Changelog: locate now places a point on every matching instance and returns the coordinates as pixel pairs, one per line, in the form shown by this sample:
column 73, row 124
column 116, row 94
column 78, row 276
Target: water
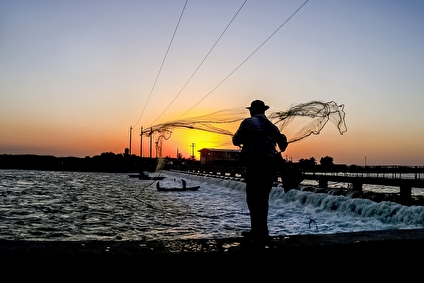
column 46, row 205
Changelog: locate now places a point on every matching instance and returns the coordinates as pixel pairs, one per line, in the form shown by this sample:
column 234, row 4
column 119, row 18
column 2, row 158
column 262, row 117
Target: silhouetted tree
column 326, row 161
column 307, row 163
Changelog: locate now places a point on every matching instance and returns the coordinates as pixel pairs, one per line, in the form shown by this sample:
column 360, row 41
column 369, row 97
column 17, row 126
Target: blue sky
column 75, row 75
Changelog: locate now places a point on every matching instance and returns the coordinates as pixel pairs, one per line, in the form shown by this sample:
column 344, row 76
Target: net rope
column 297, row 123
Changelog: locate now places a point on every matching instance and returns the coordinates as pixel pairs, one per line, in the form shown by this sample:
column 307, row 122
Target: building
column 212, row 156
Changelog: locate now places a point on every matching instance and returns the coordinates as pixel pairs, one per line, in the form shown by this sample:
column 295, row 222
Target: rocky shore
column 377, row 252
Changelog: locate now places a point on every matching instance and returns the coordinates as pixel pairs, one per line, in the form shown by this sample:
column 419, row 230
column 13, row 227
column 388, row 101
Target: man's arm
column 238, row 139
column 282, row 142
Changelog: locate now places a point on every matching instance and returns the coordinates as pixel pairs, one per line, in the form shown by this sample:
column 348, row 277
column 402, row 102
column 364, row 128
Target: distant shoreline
column 105, row 162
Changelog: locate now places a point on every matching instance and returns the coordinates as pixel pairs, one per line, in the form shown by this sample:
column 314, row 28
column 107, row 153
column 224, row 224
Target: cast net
column 302, row 120
column 297, row 123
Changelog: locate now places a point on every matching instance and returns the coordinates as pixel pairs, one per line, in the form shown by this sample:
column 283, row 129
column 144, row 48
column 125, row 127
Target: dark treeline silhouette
column 105, row 162
column 123, row 163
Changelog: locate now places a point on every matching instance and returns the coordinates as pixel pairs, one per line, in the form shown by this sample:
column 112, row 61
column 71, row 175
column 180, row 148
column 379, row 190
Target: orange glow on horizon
column 186, row 142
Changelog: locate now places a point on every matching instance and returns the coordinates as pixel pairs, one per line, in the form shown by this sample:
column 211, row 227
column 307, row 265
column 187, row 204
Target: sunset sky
column 76, row 75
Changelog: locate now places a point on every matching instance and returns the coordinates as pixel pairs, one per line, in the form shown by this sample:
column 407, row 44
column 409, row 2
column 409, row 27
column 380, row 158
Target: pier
column 403, row 177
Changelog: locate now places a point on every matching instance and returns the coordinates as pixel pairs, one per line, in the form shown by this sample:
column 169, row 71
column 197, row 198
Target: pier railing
column 404, row 177
column 385, row 172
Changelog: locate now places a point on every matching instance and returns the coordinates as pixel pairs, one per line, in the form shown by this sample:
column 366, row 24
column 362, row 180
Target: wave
column 387, row 212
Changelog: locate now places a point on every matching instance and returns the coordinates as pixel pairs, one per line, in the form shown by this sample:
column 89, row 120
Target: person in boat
column 258, row 137
column 183, row 188
column 143, row 175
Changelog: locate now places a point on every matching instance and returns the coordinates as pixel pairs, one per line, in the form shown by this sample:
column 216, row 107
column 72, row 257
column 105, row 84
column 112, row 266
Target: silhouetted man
column 258, row 137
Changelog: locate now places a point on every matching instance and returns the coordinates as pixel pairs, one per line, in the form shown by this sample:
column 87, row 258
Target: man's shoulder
column 258, row 117
column 249, row 120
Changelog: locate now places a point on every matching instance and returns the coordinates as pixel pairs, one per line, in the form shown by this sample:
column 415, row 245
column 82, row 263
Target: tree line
column 105, row 162
column 326, row 161
column 111, row 162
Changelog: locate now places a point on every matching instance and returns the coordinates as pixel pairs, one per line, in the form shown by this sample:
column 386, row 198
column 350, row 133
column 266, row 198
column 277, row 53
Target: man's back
column 258, row 137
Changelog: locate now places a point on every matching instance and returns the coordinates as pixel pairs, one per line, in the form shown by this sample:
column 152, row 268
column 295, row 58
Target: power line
column 201, row 63
column 248, row 57
column 163, row 61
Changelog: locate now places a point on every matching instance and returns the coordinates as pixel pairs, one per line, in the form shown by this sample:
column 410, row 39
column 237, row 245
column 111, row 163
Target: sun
column 188, row 142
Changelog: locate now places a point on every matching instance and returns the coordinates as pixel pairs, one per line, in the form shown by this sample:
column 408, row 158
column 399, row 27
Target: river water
column 51, row 205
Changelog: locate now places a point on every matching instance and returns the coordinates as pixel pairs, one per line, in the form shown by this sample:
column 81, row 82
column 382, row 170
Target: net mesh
column 297, row 123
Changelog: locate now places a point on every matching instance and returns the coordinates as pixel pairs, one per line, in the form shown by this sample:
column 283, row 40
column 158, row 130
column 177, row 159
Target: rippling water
column 46, row 205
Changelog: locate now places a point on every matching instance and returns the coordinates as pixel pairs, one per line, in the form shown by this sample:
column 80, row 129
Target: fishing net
column 302, row 120
column 221, row 122
column 297, row 123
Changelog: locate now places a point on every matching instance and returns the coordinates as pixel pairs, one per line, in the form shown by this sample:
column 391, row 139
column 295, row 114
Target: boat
column 177, row 189
column 142, row 176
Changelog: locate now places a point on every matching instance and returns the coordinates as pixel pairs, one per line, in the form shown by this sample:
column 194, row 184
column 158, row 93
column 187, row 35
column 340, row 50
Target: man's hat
column 258, row 105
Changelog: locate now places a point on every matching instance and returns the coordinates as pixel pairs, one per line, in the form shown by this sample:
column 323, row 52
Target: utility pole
column 151, row 137
column 193, row 145
column 130, row 138
column 141, row 142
